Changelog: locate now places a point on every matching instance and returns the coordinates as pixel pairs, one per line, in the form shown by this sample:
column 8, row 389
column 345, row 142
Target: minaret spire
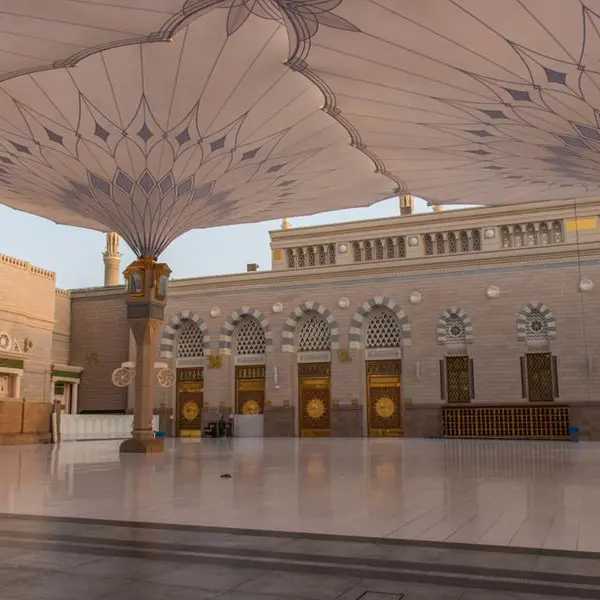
column 112, row 260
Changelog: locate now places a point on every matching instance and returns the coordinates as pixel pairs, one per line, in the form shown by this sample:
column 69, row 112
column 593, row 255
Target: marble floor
column 518, row 494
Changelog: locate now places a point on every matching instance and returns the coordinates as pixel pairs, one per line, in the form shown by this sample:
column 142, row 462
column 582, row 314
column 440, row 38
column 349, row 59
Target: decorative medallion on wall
column 122, row 377
column 5, row 341
column 215, row 362
column 315, row 409
column 413, row 241
column 415, row 297
column 190, row 411
column 586, row 285
column 490, row 234
column 215, row 311
column 251, row 407
column 384, row 407
column 492, row 291
column 277, row 307
column 344, row 302
column 165, row 377
column 342, row 248
column 344, row 356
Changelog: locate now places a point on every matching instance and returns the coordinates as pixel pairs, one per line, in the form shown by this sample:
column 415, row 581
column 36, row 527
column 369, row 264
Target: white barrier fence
column 97, row 427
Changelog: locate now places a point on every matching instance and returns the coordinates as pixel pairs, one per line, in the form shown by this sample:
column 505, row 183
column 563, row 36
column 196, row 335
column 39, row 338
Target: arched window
column 368, row 250
column 517, row 236
column 557, row 233
column 456, row 331
column 301, row 257
column 331, row 254
column 191, row 341
column 321, row 255
column 378, row 250
column 452, row 245
column 389, row 248
column 531, row 235
column 290, row 258
column 505, row 235
column 249, row 337
column 356, row 251
column 536, row 329
column 544, row 234
column 312, row 259
column 440, row 246
column 464, row 241
column 383, row 331
column 401, row 248
column 428, row 242
column 476, row 237
column 314, row 334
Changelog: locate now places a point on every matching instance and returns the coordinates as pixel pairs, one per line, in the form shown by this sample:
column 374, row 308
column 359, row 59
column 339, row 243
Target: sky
column 75, row 254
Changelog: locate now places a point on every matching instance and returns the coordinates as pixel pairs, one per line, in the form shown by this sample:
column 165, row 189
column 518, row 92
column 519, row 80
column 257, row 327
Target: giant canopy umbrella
column 154, row 117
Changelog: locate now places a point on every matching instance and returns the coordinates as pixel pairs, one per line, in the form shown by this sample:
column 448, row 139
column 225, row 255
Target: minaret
column 407, row 205
column 285, row 224
column 112, row 260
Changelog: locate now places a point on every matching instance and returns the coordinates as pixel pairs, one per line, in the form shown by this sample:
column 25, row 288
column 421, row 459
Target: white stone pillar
column 17, row 386
column 74, row 397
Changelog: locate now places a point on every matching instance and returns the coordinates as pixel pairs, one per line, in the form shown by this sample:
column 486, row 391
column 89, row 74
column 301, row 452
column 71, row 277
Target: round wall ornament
column 586, row 285
column 415, row 297
column 344, row 302
column 277, row 307
column 122, row 377
column 342, row 248
column 215, row 311
column 490, row 234
column 5, row 341
column 165, row 377
column 492, row 291
column 413, row 241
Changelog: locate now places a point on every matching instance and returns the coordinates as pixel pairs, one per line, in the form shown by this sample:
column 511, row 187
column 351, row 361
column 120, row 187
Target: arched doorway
column 250, row 373
column 313, row 341
column 190, row 380
column 383, row 365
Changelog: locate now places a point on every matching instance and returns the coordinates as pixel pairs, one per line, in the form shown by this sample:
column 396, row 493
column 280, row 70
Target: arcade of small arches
column 379, row 329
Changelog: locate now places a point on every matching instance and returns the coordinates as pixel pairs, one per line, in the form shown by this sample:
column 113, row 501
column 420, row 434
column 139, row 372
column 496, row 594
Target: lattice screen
column 314, row 335
column 383, row 331
column 191, row 341
column 456, row 334
column 250, row 337
column 536, row 328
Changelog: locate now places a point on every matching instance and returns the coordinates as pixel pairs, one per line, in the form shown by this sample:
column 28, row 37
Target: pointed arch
column 363, row 311
column 461, row 318
column 546, row 316
column 289, row 328
column 233, row 319
column 167, row 339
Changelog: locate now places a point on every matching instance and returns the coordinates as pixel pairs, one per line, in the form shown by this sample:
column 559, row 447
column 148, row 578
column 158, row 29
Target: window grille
column 368, row 251
column 458, row 378
column 428, row 241
column 452, row 245
column 517, row 236
column 301, row 257
column 464, row 241
column 440, row 246
column 314, row 335
column 322, row 256
column 505, row 234
column 191, row 341
column 540, row 377
column 331, row 254
column 356, row 251
column 378, row 250
column 383, row 331
column 290, row 258
column 389, row 245
column 544, row 234
column 456, row 333
column 401, row 247
column 536, row 328
column 249, row 337
column 531, row 235
column 312, row 260
column 557, row 234
column 476, row 237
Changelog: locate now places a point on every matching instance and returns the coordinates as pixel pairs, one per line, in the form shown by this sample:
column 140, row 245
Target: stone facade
column 35, row 341
column 511, row 261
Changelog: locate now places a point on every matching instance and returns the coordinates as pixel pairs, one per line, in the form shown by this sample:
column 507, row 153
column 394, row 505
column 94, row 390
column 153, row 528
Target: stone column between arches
column 347, row 408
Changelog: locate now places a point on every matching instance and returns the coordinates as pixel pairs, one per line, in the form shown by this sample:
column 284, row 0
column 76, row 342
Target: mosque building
column 473, row 323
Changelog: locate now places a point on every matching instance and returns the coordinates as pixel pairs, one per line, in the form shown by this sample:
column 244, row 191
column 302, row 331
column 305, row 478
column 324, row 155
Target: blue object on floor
column 160, row 434
column 574, row 433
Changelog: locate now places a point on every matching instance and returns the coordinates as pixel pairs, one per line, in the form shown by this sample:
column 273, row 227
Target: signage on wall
column 10, row 344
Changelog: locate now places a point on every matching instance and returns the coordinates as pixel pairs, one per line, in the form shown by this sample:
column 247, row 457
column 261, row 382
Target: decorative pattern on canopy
column 263, row 108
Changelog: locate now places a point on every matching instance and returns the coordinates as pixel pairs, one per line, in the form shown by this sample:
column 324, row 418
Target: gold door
column 314, row 399
column 385, row 408
column 250, row 390
column 190, row 399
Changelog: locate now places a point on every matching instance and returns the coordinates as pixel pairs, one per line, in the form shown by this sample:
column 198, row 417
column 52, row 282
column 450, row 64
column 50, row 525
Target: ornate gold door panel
column 190, row 398
column 250, row 390
column 384, row 398
column 315, row 399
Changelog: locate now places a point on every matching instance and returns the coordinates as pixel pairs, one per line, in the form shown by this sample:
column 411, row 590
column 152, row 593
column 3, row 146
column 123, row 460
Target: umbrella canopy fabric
column 154, row 117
